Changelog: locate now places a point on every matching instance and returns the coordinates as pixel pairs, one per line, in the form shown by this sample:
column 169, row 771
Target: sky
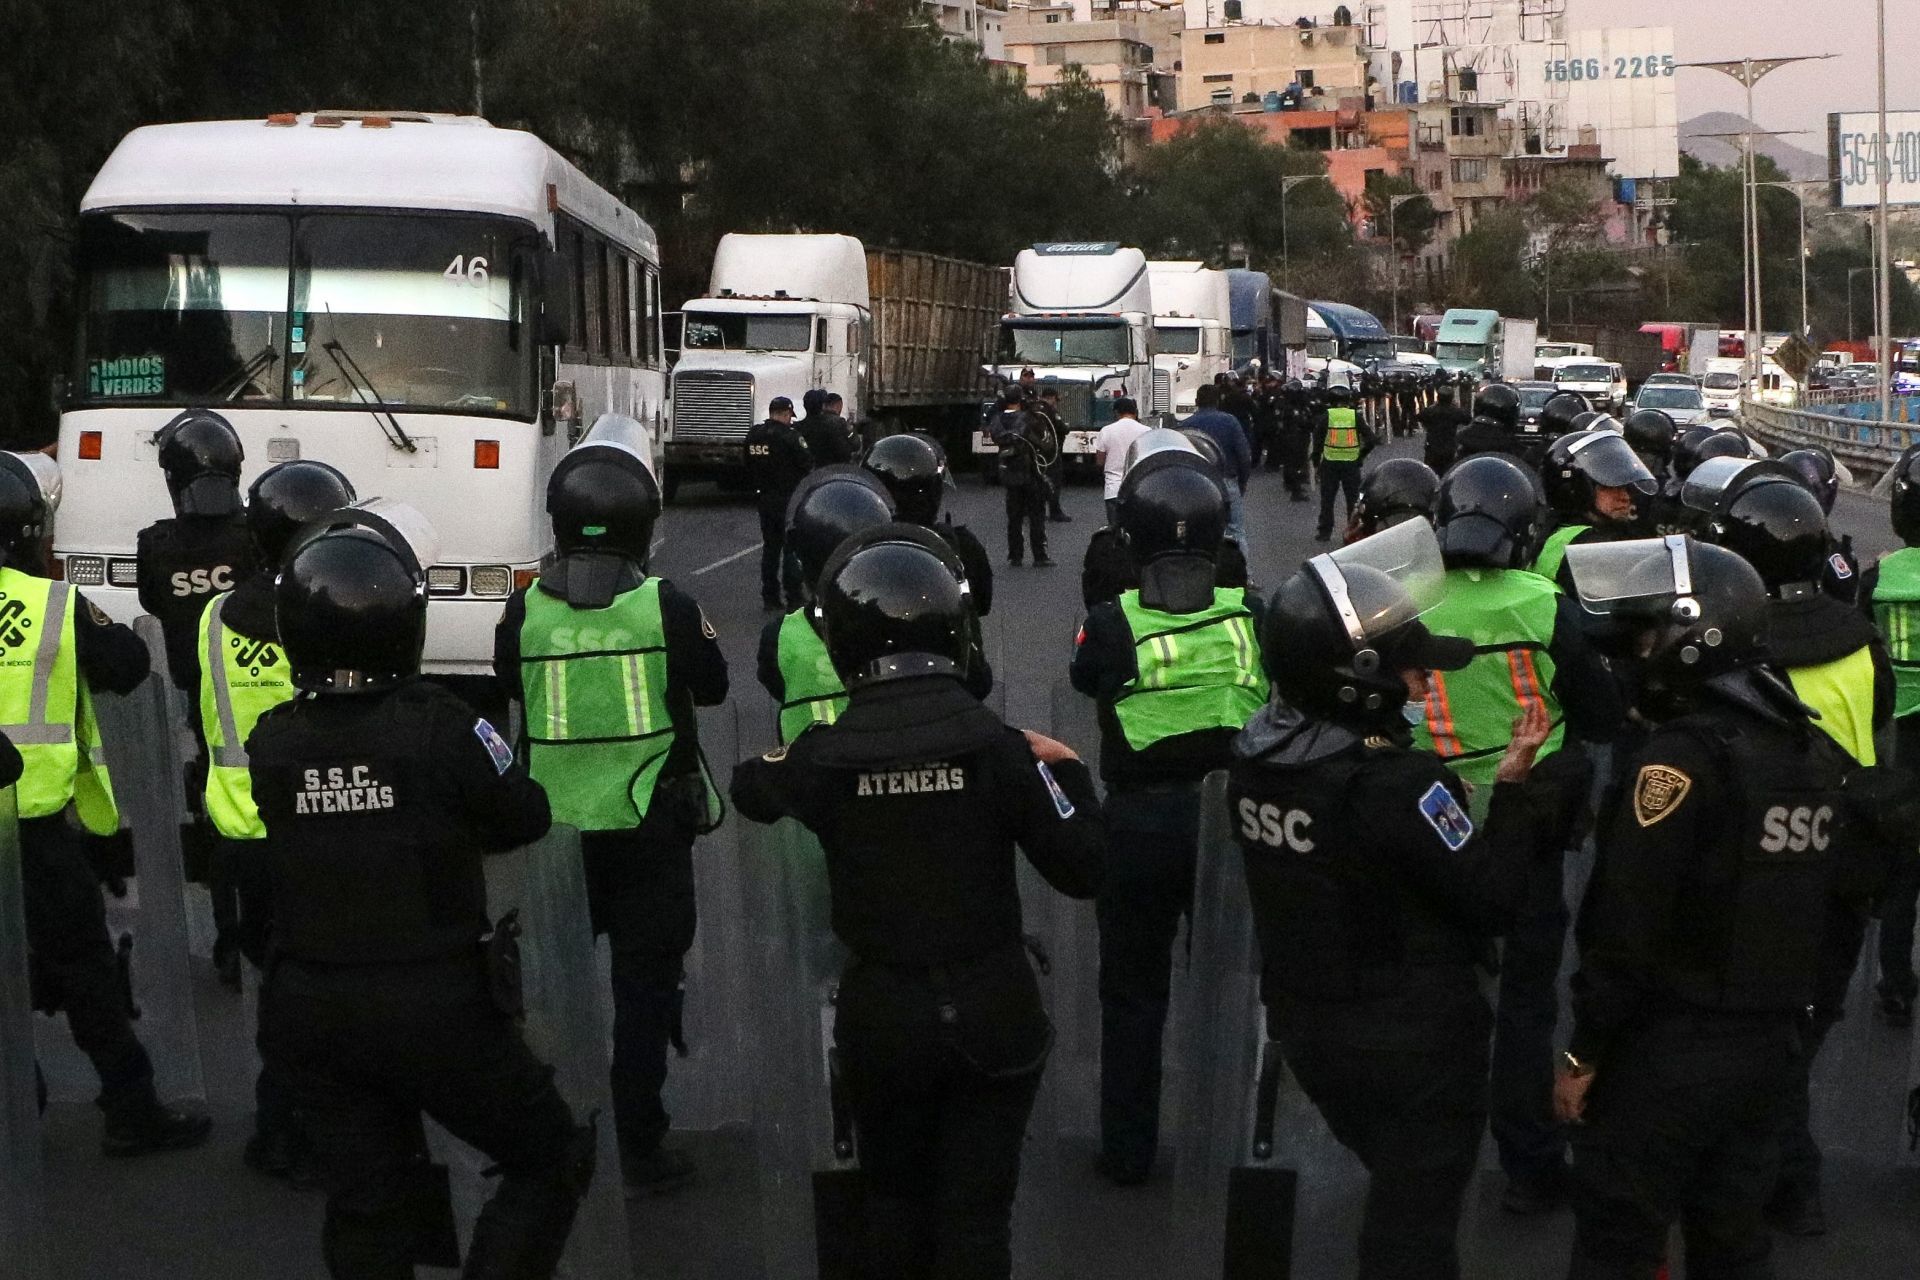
column 1796, row 97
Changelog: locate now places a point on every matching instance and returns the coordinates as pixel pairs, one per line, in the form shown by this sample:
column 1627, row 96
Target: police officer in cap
column 1022, row 435
column 381, row 793
column 1398, row 489
column 1891, row 590
column 63, row 650
column 240, row 672
column 1374, row 893
column 1339, row 447
column 1495, row 425
column 777, row 460
column 1702, row 929
column 920, row 796
column 914, row 469
column 610, row 662
column 1167, row 716
column 1597, row 487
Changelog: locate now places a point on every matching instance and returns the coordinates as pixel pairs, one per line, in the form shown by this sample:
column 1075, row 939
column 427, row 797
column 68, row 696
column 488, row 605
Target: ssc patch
column 1061, row 805
column 1658, row 792
column 497, row 747
column 1841, row 569
column 1444, row 814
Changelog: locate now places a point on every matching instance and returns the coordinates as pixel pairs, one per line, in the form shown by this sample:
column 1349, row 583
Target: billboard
column 1619, row 82
column 1853, row 157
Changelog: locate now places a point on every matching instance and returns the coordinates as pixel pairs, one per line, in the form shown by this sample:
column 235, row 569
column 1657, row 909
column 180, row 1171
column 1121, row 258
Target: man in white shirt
column 1111, row 445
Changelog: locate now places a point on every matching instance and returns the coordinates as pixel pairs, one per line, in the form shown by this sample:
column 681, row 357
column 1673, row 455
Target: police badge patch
column 1444, row 814
column 1659, row 791
column 497, row 748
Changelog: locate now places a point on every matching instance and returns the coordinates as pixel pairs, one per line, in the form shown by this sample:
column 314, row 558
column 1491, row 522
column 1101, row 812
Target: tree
column 1487, row 267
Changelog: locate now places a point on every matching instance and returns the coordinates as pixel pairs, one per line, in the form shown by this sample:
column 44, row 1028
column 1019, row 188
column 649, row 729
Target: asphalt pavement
column 203, row 1216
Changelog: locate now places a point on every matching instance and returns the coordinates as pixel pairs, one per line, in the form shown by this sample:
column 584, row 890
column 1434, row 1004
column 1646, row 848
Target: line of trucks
column 915, row 341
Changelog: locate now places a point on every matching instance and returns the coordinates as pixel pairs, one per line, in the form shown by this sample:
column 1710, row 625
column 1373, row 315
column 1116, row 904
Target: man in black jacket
column 777, row 460
column 1021, row 437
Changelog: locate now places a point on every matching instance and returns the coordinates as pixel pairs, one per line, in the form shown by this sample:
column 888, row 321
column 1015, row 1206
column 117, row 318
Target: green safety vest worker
column 594, row 683
column 1468, row 717
column 812, row 691
column 1196, row 670
column 1842, row 692
column 1553, row 552
column 46, row 710
column 1896, row 608
column 241, row 679
column 1342, row 442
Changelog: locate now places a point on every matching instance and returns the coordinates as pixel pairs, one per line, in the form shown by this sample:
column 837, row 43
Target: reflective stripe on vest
column 1553, row 552
column 812, row 689
column 241, row 679
column 594, row 682
column 1842, row 692
column 1197, row 671
column 39, row 688
column 1896, row 608
column 1468, row 716
column 1342, row 443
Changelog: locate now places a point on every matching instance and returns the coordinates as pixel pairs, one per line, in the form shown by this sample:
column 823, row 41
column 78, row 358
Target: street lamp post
column 1880, row 225
column 1800, row 191
column 1286, row 251
column 1393, row 248
column 1752, row 281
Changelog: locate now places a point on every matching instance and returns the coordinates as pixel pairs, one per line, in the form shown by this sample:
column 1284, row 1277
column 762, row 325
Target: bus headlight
column 492, row 581
column 123, row 572
column 446, row 580
column 87, row 571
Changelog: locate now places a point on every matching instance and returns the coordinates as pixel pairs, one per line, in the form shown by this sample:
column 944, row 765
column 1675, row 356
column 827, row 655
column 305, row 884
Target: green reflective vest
column 814, row 693
column 241, row 679
column 1196, row 670
column 595, row 688
column 1342, row 443
column 1842, row 692
column 1896, row 608
column 45, row 709
column 1553, row 552
column 1468, row 717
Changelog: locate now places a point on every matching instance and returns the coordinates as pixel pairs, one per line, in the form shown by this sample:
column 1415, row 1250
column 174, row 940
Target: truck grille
column 1162, row 392
column 712, row 406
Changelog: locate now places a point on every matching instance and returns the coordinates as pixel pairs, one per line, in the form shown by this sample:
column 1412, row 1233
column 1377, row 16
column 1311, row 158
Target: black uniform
column 1110, row 567
column 184, row 563
column 829, row 437
column 1484, row 435
column 1019, row 435
column 1375, row 900
column 378, row 808
column 919, row 795
column 1056, row 467
column 1441, row 423
column 640, row 890
column 1700, row 940
column 973, row 558
column 777, row 460
column 978, row 680
column 1296, row 440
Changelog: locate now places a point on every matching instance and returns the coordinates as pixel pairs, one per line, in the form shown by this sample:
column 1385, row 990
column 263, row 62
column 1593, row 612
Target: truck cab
column 1192, row 328
column 1469, row 342
column 1255, row 333
column 1548, row 356
column 1338, row 332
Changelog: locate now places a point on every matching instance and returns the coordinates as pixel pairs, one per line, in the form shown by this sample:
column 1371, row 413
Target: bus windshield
column 1361, row 350
column 414, row 311
column 1049, row 342
column 1173, row 340
column 744, row 331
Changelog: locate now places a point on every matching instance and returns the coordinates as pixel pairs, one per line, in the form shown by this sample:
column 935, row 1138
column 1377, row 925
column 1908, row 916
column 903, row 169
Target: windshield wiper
column 376, row 403
column 234, row 383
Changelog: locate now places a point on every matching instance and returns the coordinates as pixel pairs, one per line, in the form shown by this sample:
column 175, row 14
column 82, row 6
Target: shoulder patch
column 99, row 615
column 1658, row 792
column 1061, row 805
column 497, row 747
column 1841, row 569
column 775, row 756
column 1378, row 742
column 706, row 628
column 1444, row 814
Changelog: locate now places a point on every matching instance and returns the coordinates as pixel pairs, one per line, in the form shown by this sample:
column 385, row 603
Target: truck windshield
column 265, row 308
column 1555, row 351
column 1322, row 348
column 739, row 331
column 1723, row 381
column 1176, row 340
column 1361, row 350
column 1045, row 343
column 1460, row 350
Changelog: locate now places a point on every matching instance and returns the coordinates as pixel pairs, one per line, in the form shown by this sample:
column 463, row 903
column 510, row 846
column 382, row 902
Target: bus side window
column 630, row 309
column 576, row 239
column 651, row 320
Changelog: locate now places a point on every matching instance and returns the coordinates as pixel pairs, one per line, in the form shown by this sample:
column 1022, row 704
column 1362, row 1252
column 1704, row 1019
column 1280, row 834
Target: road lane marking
column 741, row 554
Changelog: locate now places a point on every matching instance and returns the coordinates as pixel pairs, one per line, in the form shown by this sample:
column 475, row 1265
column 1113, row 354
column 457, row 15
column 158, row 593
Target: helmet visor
column 402, row 526
column 46, row 474
column 616, row 430
column 1408, row 578
column 1158, row 440
column 1638, row 577
column 1610, row 462
column 1714, row 482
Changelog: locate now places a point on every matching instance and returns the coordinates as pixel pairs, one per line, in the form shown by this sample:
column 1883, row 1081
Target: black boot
column 523, row 1230
column 144, row 1127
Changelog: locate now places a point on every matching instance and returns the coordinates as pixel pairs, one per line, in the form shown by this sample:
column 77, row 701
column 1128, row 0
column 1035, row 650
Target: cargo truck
column 1256, row 329
column 1485, row 344
column 1192, row 327
column 901, row 336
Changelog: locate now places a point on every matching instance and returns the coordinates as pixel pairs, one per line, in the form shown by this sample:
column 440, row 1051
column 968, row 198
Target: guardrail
column 1868, row 447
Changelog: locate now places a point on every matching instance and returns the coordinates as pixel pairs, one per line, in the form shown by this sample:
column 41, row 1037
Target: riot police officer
column 1374, row 893
column 1820, row 472
column 1167, row 715
column 1495, row 425
column 1597, row 487
column 777, row 460
column 1891, row 589
column 1110, row 565
column 1651, row 433
column 1344, row 440
column 1558, row 413
column 380, row 793
column 1395, row 490
column 610, row 662
column 1296, row 435
column 239, row 674
column 1440, row 424
column 920, row 795
column 1701, row 933
column 914, row 469
column 1025, row 442
column 57, row 650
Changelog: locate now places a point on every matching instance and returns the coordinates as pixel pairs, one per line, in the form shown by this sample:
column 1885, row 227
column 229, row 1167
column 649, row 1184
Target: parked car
column 1533, row 398
column 1685, row 403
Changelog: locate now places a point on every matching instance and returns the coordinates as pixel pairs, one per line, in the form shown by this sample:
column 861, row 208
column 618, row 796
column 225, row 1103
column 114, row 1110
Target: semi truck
column 1081, row 318
column 1485, row 344
column 1256, row 336
column 1192, row 327
column 901, row 336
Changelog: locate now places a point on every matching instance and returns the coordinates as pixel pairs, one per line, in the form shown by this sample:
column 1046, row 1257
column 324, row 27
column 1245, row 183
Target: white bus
column 433, row 305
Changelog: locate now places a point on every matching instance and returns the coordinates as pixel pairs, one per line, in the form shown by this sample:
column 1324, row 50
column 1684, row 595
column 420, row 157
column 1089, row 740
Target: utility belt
column 986, row 1006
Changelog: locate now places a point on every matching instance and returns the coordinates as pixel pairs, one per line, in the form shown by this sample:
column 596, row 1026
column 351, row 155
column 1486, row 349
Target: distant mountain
column 1799, row 163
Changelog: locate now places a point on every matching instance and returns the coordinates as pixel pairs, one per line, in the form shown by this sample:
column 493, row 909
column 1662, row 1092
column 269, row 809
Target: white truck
column 1519, row 340
column 1082, row 320
column 1192, row 327
column 898, row 335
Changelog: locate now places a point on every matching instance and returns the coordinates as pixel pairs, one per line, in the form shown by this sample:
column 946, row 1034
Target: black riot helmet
column 1173, row 503
column 1650, row 432
column 288, row 495
column 23, row 516
column 914, row 469
column 351, row 599
column 200, row 454
column 1905, row 496
column 1295, row 391
column 1487, row 513
column 1498, row 402
column 1587, row 421
column 830, row 506
column 1697, row 444
column 1819, row 471
column 1341, row 394
column 1763, row 512
column 1208, row 447
column 1558, row 413
column 1339, row 633
column 894, row 602
column 603, row 497
column 1578, row 466
column 1395, row 490
column 1702, row 608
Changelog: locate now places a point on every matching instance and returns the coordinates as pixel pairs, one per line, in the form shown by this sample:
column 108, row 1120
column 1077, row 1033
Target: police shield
column 20, row 1178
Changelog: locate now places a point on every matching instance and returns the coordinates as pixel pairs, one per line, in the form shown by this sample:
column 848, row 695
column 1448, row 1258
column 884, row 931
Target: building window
column 1214, row 37
column 1225, row 79
column 1469, row 170
column 1053, row 17
column 1435, row 180
column 1465, row 123
column 1221, row 97
column 1057, row 55
column 1305, row 77
column 1313, row 139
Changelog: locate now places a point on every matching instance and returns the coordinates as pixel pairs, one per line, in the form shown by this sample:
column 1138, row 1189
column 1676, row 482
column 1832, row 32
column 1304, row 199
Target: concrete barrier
column 1868, row 447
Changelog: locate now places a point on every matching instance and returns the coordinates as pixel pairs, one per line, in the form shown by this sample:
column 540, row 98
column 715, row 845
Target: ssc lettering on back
column 198, row 582
column 1268, row 824
column 346, row 789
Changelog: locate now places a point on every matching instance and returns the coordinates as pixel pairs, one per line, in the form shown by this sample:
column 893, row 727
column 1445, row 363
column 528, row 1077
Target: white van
column 1721, row 386
column 1602, row 382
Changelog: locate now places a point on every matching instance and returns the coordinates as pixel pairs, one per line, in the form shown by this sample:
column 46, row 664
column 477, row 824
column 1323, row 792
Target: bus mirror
column 563, row 406
column 556, row 302
column 673, row 325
